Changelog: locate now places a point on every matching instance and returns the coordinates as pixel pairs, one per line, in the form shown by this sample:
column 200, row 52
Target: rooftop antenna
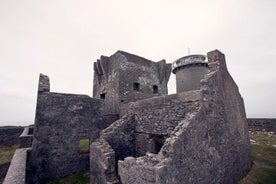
column 188, row 50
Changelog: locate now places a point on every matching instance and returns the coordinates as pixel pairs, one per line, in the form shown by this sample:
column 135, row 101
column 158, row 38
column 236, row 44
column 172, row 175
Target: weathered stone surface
column 115, row 77
column 10, row 134
column 62, row 120
column 26, row 138
column 116, row 143
column 206, row 139
column 44, row 83
column 102, row 163
column 17, row 170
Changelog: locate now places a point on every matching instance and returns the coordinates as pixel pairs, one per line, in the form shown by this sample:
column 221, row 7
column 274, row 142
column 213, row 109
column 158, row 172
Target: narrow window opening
column 136, row 86
column 102, row 96
column 155, row 89
column 84, row 146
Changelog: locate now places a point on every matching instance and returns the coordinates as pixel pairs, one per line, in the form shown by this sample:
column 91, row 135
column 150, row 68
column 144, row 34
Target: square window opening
column 136, row 86
column 155, row 89
column 102, row 96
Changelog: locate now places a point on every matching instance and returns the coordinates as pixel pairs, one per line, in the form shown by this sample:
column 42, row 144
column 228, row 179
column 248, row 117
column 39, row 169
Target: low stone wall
column 17, row 170
column 26, row 138
column 10, row 134
column 261, row 124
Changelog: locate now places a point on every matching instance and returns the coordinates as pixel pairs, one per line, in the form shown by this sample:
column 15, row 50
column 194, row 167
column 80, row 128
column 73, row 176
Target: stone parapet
column 17, row 170
column 26, row 138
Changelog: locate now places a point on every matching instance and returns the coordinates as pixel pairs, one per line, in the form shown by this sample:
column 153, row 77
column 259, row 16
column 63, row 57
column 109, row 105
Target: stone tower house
column 124, row 77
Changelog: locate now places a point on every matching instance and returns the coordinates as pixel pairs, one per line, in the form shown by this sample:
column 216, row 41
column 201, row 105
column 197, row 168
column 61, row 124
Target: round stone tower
column 189, row 70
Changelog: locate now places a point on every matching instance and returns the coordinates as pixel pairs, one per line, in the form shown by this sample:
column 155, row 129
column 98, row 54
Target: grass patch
column 78, row 178
column 263, row 151
column 84, row 145
column 6, row 152
column 260, row 175
column 264, row 154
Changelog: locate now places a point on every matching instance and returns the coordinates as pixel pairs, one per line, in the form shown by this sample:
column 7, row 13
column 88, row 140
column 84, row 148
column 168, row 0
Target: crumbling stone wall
column 115, row 78
column 116, row 143
column 62, row 120
column 143, row 129
column 208, row 144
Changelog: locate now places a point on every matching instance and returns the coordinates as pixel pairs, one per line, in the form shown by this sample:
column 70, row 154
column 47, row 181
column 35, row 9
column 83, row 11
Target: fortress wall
column 262, row 124
column 61, row 122
column 10, row 134
column 210, row 145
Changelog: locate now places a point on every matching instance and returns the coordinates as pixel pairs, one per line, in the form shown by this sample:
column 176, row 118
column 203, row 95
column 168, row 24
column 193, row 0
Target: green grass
column 84, row 145
column 78, row 178
column 6, row 152
column 263, row 170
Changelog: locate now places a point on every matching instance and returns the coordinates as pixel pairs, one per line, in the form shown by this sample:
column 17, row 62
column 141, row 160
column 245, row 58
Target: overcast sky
column 62, row 39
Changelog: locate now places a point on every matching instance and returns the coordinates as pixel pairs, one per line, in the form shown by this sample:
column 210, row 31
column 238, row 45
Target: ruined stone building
column 138, row 133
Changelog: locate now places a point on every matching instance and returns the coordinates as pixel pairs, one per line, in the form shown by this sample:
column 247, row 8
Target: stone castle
column 138, row 134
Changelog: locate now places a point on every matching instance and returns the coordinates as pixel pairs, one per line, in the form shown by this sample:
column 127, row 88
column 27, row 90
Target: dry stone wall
column 10, row 134
column 62, row 120
column 262, row 124
column 117, row 142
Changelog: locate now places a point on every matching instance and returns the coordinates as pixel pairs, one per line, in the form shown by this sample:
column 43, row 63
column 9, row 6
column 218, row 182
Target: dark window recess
column 154, row 89
column 102, row 96
column 136, row 86
column 158, row 142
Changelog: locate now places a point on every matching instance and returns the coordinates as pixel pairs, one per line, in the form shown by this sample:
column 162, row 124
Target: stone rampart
column 62, row 122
